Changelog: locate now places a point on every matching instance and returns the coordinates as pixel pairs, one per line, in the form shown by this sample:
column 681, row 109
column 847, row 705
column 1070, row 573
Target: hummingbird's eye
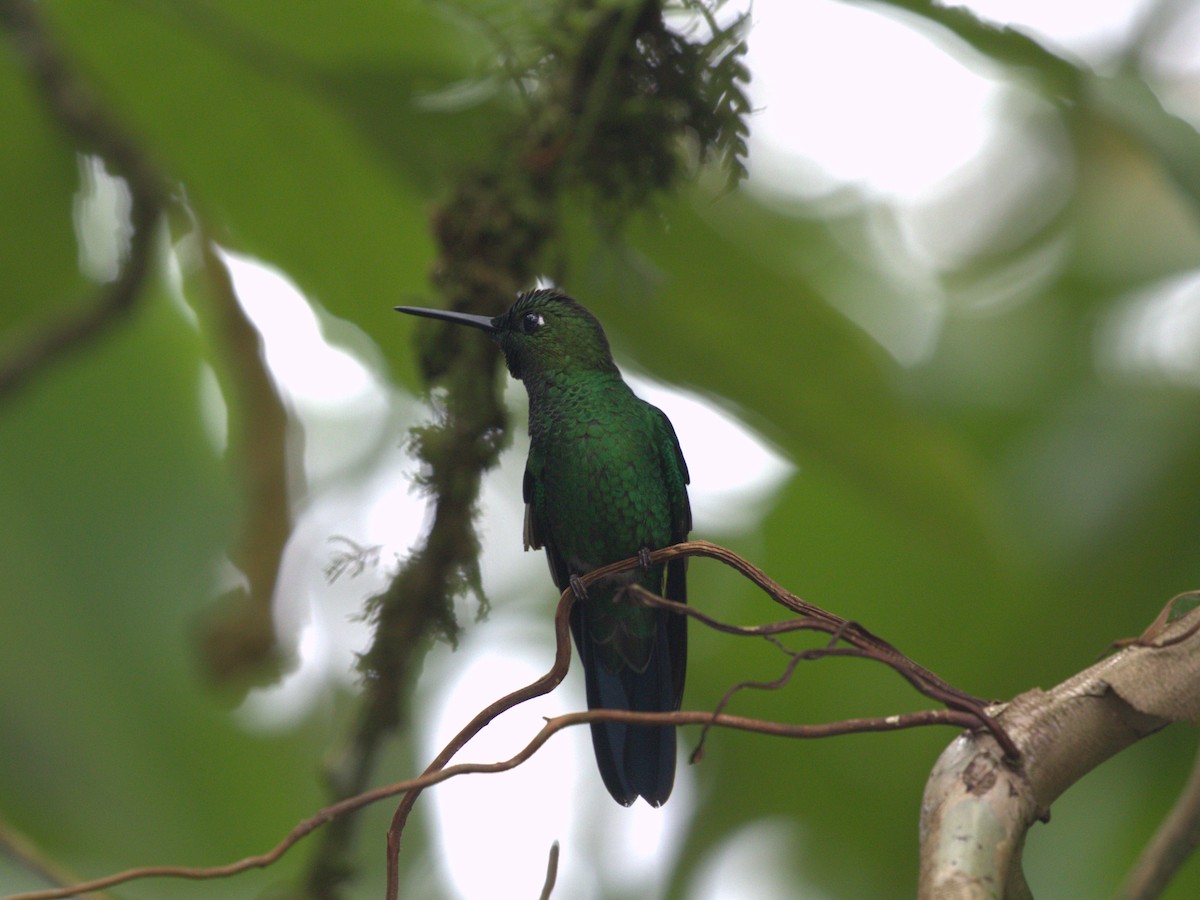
column 531, row 322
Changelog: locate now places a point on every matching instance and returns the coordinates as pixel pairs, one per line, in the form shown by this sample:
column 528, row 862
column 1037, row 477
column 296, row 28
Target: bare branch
column 852, row 631
column 975, row 780
column 819, row 619
column 965, row 710
column 543, row 685
column 950, row 717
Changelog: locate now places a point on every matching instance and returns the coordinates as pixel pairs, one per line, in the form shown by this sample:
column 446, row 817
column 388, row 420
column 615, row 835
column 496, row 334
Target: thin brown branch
column 1175, row 608
column 71, row 101
column 954, row 718
column 970, row 711
column 818, row 619
column 439, row 770
column 543, row 685
column 852, row 631
column 793, row 661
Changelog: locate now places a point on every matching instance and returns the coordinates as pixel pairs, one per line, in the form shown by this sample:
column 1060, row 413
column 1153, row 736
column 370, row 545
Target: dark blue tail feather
column 635, row 760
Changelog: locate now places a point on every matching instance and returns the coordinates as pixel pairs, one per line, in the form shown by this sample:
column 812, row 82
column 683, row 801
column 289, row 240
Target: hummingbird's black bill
column 484, row 322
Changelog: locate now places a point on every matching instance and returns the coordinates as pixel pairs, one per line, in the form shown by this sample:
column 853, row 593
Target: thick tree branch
column 978, row 807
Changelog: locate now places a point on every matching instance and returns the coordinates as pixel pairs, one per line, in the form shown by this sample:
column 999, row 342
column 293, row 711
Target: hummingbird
column 605, row 481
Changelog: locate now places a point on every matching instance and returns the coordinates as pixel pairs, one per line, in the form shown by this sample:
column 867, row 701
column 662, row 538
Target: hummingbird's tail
column 636, row 760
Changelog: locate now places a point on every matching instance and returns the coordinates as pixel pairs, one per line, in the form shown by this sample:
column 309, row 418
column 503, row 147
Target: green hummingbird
column 605, row 480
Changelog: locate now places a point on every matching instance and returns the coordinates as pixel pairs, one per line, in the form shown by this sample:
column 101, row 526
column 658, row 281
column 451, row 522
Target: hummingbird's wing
column 537, row 532
column 675, row 474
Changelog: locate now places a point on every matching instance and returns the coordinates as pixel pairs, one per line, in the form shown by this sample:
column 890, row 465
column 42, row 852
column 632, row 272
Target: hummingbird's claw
column 578, row 589
column 644, row 558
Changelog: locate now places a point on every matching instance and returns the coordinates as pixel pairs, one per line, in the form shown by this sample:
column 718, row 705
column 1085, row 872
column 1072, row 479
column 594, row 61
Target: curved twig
column 553, row 725
column 543, row 685
column 817, row 619
column 960, row 714
column 970, row 711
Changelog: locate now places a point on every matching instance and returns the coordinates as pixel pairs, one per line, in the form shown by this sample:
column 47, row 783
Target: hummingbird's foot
column 644, row 558
column 578, row 589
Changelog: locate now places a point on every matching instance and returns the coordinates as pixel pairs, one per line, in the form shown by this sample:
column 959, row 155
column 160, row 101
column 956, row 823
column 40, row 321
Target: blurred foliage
column 1001, row 503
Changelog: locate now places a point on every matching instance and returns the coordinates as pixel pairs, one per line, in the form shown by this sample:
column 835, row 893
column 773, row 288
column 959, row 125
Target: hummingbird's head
column 545, row 331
